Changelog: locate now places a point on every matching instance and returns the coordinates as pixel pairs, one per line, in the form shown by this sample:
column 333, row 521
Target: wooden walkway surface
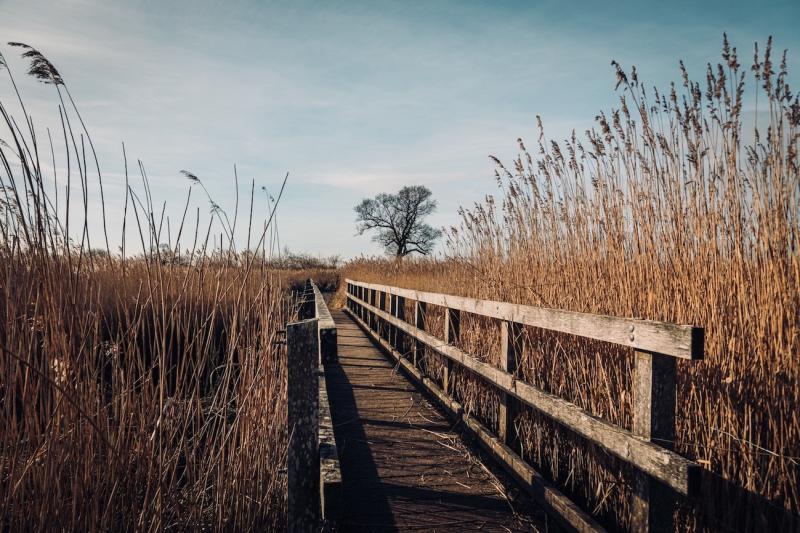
column 404, row 467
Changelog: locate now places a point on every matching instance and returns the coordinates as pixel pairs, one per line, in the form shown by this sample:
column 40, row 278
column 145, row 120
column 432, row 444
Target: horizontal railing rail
column 327, row 328
column 657, row 345
column 685, row 342
column 313, row 467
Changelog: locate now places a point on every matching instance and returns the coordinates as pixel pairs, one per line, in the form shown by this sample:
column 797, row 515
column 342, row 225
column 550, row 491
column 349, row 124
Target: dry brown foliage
column 141, row 393
column 672, row 209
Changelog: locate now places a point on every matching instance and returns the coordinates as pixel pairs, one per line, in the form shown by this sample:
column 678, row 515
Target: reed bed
column 675, row 207
column 138, row 393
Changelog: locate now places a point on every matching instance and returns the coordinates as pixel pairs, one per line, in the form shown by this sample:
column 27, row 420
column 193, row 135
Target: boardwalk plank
column 403, row 466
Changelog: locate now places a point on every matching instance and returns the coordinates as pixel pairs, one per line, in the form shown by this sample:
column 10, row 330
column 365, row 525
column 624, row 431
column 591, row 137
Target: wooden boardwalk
column 404, row 466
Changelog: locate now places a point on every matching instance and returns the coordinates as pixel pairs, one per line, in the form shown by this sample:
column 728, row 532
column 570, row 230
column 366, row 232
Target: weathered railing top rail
column 656, row 345
column 322, row 312
column 314, row 472
column 685, row 342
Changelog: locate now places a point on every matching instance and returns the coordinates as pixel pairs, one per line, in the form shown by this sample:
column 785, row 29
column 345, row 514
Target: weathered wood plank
column 327, row 328
column 510, row 352
column 303, row 404
column 542, row 490
column 374, row 302
column 383, row 326
column 305, row 309
column 322, row 311
column 653, row 419
column 392, row 329
column 400, row 341
column 452, row 331
column 330, row 474
column 419, row 323
column 672, row 469
column 681, row 341
column 330, row 478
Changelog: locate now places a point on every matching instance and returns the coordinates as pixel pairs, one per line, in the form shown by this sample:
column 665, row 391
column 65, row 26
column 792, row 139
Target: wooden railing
column 314, row 477
column 659, row 471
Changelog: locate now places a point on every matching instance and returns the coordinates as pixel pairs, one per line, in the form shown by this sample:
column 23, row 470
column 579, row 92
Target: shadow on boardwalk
column 403, row 465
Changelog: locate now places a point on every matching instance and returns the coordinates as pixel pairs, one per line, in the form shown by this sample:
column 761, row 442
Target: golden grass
column 670, row 210
column 136, row 393
column 146, row 397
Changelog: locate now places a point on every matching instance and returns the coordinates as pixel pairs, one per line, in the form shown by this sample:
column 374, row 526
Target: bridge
column 377, row 444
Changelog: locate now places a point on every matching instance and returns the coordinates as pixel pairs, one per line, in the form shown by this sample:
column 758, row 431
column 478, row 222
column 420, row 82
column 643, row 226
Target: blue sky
column 353, row 98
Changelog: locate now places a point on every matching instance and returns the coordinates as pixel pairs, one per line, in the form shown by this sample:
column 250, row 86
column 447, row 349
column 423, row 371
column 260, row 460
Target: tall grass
column 136, row 393
column 674, row 208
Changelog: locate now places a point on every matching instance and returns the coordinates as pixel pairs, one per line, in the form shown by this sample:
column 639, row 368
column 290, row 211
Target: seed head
column 41, row 68
column 191, row 177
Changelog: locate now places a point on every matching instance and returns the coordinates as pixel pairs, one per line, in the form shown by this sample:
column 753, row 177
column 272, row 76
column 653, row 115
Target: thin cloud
column 353, row 98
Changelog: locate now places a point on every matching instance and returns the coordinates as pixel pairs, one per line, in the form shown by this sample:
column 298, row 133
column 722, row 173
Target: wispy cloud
column 353, row 98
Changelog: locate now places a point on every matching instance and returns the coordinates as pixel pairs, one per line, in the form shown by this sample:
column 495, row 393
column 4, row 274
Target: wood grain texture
column 672, row 469
column 327, row 327
column 330, row 474
column 303, row 404
column 652, row 504
column 452, row 332
column 682, row 341
column 419, row 323
column 572, row 516
column 404, row 467
column 510, row 351
column 322, row 311
column 401, row 340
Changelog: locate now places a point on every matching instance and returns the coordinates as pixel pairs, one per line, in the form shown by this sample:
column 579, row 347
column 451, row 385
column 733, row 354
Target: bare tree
column 398, row 218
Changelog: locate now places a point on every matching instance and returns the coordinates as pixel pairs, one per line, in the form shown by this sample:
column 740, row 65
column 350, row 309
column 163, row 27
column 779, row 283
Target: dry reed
column 136, row 393
column 671, row 209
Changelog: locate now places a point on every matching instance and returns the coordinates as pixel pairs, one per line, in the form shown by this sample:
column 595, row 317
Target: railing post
column 303, row 411
column 328, row 350
column 307, row 306
column 653, row 419
column 392, row 329
column 452, row 330
column 371, row 300
column 367, row 313
column 348, row 290
column 419, row 323
column 374, row 301
column 306, row 309
column 510, row 352
column 381, row 323
column 400, row 337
